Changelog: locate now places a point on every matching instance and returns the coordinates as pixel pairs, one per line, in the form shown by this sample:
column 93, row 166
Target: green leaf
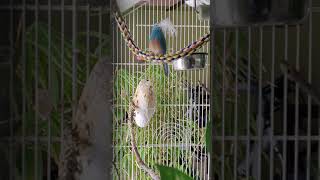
column 209, row 137
column 169, row 173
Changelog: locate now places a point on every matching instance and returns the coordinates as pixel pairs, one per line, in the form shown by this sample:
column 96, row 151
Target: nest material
column 144, row 101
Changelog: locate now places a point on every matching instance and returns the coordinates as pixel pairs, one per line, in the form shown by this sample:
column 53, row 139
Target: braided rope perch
column 150, row 56
column 141, row 164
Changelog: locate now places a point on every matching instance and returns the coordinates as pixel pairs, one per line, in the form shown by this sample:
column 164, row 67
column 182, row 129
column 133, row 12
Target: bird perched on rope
column 157, row 39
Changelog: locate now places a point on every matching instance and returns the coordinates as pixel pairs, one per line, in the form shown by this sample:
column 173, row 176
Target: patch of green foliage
column 167, row 128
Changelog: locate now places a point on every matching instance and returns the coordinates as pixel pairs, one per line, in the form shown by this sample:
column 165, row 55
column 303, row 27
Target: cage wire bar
column 246, row 144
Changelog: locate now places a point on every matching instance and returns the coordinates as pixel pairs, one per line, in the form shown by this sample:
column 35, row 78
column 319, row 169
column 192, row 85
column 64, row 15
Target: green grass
column 165, row 128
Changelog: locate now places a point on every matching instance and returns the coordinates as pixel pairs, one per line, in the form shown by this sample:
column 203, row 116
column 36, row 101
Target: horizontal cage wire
column 258, row 89
column 174, row 137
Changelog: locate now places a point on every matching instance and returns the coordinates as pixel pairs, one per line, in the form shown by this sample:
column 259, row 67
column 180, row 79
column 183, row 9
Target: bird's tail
column 167, row 27
column 166, row 69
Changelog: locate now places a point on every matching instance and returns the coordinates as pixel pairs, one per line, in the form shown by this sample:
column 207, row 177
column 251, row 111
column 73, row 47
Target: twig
column 204, row 87
column 115, row 167
column 141, row 164
column 294, row 75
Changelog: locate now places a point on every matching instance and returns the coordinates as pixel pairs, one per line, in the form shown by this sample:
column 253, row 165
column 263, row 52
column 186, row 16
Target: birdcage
column 175, row 137
column 238, row 102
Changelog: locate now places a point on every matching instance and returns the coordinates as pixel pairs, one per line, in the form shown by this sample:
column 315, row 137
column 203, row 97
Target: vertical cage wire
column 62, row 76
column 36, row 83
column 297, row 90
column 285, row 106
column 248, row 104
column 260, row 119
column 49, row 88
column 308, row 160
column 271, row 171
column 23, row 57
column 12, row 116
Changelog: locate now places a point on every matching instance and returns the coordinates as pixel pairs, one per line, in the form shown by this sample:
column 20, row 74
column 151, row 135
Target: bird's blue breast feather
column 157, row 34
